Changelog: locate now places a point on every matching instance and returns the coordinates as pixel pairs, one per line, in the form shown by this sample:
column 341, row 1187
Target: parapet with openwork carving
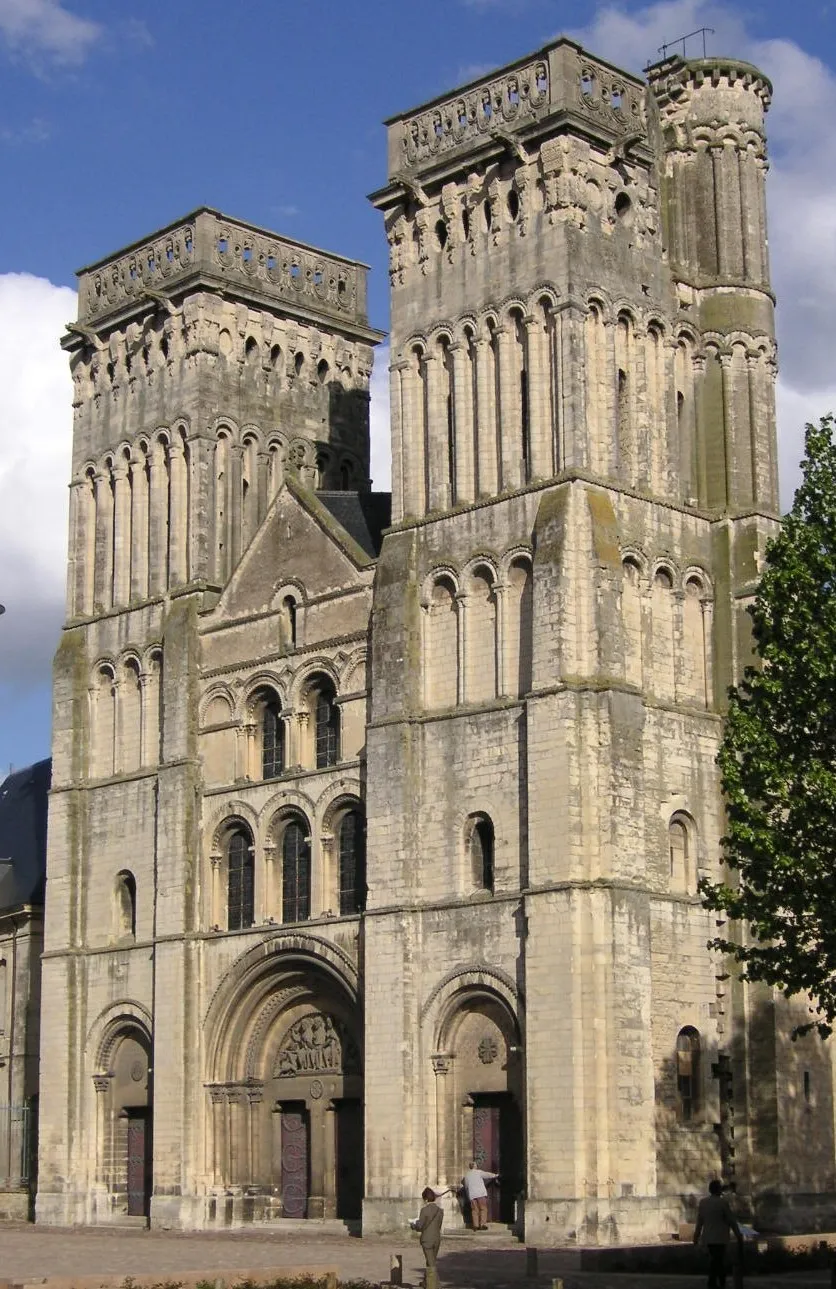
column 559, row 78
column 210, row 247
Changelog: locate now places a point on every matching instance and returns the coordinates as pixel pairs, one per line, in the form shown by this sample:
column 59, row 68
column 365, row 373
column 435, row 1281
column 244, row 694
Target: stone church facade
column 374, row 837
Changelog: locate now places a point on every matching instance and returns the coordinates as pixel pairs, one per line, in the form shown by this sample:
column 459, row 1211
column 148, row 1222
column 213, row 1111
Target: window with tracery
column 240, row 880
column 352, row 854
column 296, row 873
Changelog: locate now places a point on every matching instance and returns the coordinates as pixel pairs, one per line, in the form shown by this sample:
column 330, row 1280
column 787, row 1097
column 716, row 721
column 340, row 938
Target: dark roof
column 363, row 515
column 23, row 806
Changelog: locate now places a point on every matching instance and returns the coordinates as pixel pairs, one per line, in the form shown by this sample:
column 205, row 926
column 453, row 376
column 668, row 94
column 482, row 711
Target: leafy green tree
column 778, row 758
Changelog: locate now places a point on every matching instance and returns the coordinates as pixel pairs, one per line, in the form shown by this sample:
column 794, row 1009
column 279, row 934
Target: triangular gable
column 299, row 540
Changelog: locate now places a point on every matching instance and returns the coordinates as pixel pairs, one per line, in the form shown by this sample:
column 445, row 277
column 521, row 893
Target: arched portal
column 125, row 1124
column 479, row 1094
column 286, row 1096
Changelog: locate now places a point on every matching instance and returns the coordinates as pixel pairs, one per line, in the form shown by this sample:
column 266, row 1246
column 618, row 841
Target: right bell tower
column 713, row 158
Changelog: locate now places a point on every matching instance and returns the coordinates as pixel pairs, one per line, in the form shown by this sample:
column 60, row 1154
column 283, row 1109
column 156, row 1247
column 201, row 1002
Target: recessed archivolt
column 468, row 982
column 218, row 691
column 226, row 817
column 664, row 570
column 353, row 672
column 104, row 664
column 254, row 978
column 254, row 690
column 694, row 574
column 479, row 568
column 516, row 555
column 225, row 425
column 443, row 575
column 293, row 587
column 282, row 806
column 314, row 667
column 153, row 654
column 252, row 434
column 348, row 792
column 121, row 1018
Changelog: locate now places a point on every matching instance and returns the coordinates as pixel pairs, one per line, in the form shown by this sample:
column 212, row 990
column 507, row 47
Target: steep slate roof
column 23, row 805
column 363, row 515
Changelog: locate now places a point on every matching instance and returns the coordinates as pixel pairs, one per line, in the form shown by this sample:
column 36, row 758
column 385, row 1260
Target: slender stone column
column 400, row 457
column 437, row 445
column 461, row 647
column 255, row 1097
column 414, row 439
column 570, row 402
column 487, row 481
column 236, row 517
column 74, row 550
column 246, row 751
column 441, row 1163
column 539, row 399
column 89, row 593
column 330, row 878
column 217, row 1097
column 81, row 591
column 215, row 896
column 707, row 636
column 728, row 429
column 139, row 528
column 102, row 1083
column 103, row 594
column 121, row 533
column 158, row 521
column 502, row 677
column 330, row 1173
column 268, row 912
column 700, row 426
column 510, row 419
column 178, row 537
column 753, row 366
column 463, row 422
column 316, row 1198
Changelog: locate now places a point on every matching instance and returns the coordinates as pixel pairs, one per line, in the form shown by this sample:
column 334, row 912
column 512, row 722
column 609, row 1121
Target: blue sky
column 118, row 118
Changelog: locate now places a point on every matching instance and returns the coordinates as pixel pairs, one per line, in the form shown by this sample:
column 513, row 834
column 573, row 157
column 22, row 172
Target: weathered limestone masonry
column 584, row 479
column 221, row 373
column 371, row 855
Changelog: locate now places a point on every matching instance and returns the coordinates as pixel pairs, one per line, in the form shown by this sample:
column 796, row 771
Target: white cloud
column 35, row 442
column 381, row 466
column 46, row 28
column 801, row 191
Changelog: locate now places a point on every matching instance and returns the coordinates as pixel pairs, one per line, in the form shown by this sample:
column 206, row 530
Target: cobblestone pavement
column 28, row 1252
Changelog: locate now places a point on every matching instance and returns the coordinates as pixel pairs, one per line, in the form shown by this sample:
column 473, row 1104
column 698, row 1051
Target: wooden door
column 349, row 1159
column 486, row 1140
column 497, row 1147
column 295, row 1161
column 139, row 1164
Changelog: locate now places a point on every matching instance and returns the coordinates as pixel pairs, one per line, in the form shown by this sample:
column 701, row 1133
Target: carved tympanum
column 317, row 1044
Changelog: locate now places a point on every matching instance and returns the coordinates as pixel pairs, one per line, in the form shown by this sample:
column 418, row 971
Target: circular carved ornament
column 138, row 1071
column 316, row 1089
column 488, row 1050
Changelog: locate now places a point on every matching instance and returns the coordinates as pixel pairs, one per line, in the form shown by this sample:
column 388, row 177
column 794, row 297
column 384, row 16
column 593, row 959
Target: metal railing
column 15, row 1146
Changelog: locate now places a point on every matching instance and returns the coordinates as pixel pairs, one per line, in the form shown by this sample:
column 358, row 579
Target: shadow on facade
column 757, row 1112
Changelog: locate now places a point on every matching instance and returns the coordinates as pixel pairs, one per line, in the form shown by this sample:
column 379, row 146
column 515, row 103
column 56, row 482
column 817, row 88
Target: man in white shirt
column 477, row 1194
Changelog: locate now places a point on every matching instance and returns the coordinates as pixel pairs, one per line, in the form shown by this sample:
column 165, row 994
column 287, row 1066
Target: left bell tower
column 208, row 361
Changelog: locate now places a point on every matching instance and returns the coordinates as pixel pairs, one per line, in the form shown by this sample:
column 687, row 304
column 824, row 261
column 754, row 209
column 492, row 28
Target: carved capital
column 441, row 1062
column 101, row 1082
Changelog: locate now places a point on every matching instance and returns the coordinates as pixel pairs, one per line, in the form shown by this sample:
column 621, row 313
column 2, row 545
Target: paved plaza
column 29, row 1253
